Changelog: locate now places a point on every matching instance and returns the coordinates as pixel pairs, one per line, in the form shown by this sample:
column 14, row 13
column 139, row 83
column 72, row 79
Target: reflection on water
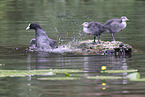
column 62, row 19
column 91, row 66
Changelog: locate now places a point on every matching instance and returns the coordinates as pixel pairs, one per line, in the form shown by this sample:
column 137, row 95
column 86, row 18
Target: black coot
column 42, row 40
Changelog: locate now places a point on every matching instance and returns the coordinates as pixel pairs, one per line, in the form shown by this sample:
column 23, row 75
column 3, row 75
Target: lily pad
column 140, row 80
column 133, row 76
column 59, row 78
column 104, row 77
column 23, row 73
column 119, row 71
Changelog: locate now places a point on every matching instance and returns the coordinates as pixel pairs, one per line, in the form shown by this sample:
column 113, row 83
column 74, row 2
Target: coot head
column 33, row 26
column 124, row 19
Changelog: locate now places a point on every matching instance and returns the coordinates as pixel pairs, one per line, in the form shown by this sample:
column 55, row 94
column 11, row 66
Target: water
column 62, row 19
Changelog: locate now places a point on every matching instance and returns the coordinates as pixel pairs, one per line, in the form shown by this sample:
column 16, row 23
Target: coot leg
column 98, row 38
column 113, row 37
column 94, row 39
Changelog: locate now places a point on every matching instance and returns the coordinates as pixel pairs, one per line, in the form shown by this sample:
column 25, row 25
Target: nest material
column 88, row 48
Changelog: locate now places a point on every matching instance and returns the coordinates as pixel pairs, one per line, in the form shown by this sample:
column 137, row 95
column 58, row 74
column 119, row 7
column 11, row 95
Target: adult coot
column 115, row 25
column 93, row 28
column 42, row 41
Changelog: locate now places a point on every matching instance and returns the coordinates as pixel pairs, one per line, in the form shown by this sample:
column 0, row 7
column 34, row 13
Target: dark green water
column 62, row 19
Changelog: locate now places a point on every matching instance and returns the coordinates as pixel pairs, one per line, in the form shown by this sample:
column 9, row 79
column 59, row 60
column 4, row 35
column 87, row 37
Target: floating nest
column 104, row 47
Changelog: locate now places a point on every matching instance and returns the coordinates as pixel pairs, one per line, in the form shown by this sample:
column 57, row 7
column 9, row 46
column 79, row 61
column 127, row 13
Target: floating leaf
column 141, row 80
column 22, row 73
column 104, row 77
column 119, row 71
column 67, row 75
column 135, row 75
column 59, row 78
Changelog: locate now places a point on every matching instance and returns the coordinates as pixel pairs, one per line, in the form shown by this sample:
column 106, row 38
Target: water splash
column 61, row 49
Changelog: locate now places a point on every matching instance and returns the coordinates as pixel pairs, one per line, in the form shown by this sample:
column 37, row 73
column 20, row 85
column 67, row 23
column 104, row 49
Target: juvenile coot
column 115, row 25
column 93, row 28
column 42, row 40
column 33, row 43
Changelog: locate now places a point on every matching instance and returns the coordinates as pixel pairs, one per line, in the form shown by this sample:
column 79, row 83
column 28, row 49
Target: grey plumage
column 115, row 25
column 93, row 28
column 42, row 40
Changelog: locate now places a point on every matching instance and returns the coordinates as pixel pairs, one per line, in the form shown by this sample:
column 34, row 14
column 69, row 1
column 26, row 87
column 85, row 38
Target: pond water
column 62, row 19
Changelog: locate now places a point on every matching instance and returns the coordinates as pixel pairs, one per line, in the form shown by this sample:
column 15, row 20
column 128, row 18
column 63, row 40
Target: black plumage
column 42, row 40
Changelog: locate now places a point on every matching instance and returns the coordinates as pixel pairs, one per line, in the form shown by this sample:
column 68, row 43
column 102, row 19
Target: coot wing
column 44, row 41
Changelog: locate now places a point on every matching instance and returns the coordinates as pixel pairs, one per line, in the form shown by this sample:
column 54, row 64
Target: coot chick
column 115, row 25
column 42, row 40
column 33, row 43
column 93, row 28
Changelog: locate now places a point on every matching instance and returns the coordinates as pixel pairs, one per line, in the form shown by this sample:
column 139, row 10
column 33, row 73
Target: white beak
column 27, row 28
